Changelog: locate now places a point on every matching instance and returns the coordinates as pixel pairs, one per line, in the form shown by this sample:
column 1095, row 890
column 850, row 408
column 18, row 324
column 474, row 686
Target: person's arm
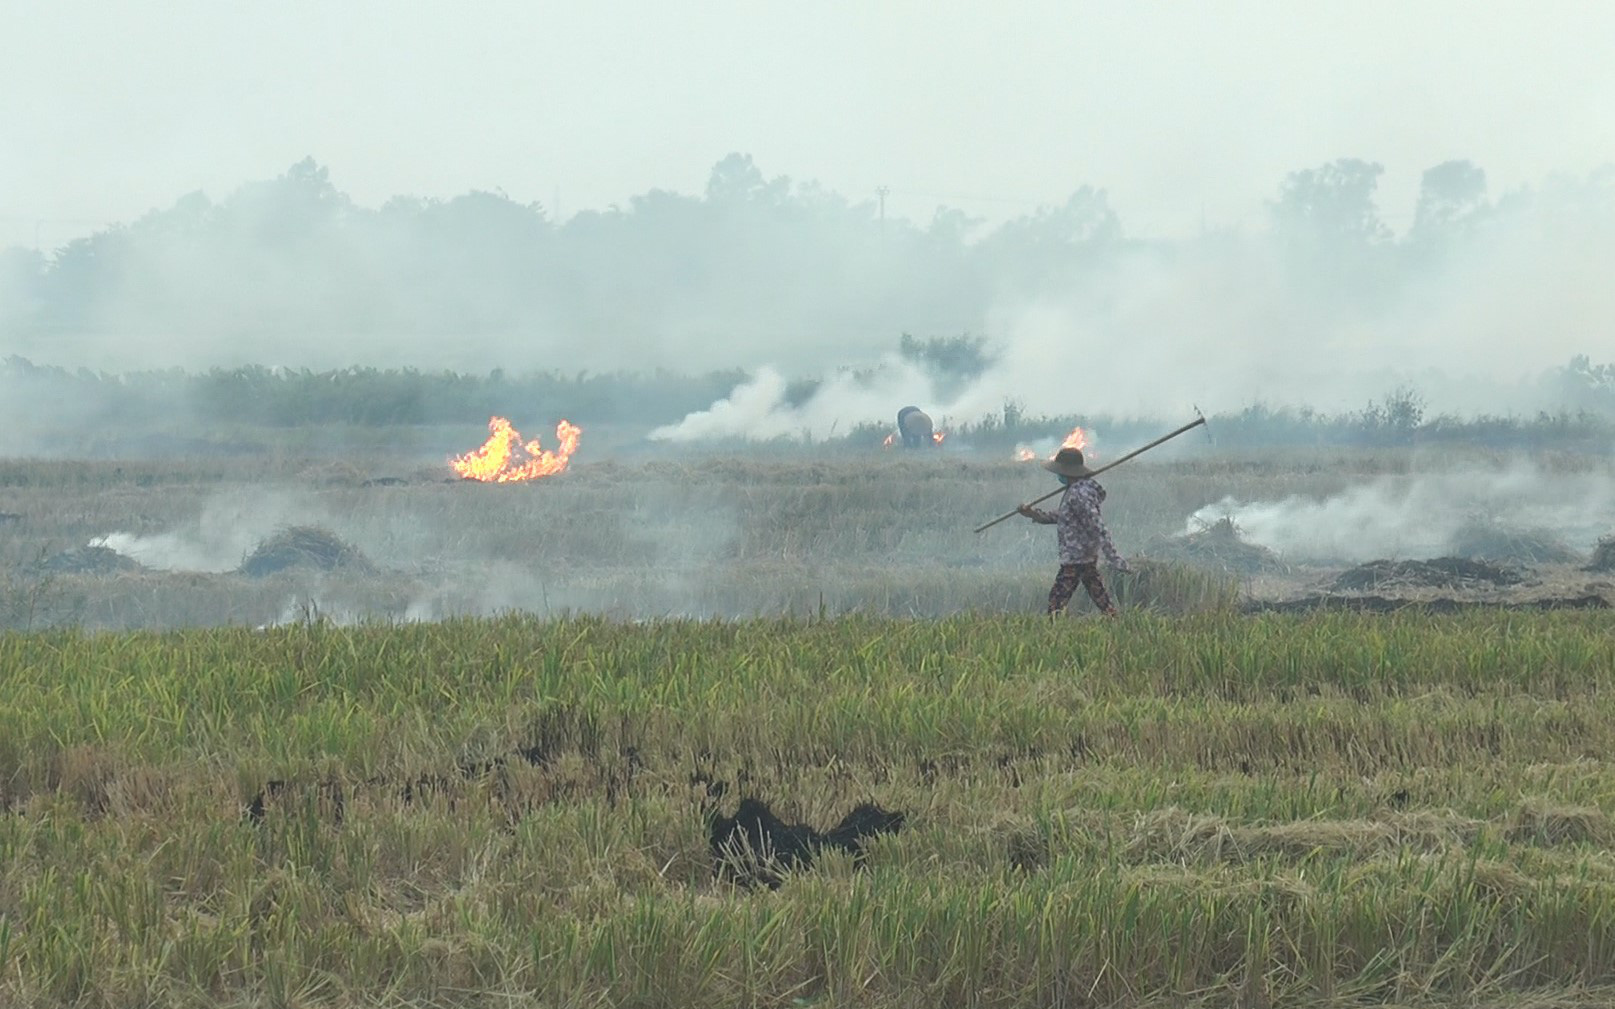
column 1112, row 557
column 1037, row 515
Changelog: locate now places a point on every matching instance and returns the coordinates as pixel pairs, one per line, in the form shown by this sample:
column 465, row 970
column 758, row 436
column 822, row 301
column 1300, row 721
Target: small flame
column 495, row 461
column 936, row 437
column 1077, row 439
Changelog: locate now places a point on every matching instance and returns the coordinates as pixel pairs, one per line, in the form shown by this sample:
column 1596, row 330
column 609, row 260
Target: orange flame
column 1077, row 439
column 936, row 437
column 495, row 461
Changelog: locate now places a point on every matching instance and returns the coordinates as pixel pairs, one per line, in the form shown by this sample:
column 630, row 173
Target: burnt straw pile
column 304, row 547
column 1603, row 555
column 91, row 560
column 756, row 847
column 1487, row 540
column 1219, row 545
column 1437, row 573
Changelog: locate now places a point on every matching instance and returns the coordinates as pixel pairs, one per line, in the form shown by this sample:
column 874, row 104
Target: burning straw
column 499, row 460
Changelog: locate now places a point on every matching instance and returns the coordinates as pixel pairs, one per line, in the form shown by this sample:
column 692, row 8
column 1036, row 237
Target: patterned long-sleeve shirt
column 1082, row 531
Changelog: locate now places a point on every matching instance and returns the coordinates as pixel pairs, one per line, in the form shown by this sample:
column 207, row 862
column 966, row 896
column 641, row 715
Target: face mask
column 1065, row 481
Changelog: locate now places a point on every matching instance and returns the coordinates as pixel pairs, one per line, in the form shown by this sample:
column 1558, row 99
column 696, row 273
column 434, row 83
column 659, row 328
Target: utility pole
column 881, row 192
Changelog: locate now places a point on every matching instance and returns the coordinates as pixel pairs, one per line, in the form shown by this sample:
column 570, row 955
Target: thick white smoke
column 752, row 404
column 228, row 528
column 1416, row 517
column 759, row 410
column 1082, row 319
column 1233, row 320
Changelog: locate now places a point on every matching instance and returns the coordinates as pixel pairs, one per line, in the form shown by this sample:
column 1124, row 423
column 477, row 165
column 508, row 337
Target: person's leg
column 1065, row 585
column 1089, row 574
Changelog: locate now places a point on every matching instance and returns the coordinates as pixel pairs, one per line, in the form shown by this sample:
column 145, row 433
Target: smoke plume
column 1417, row 517
column 1471, row 307
column 227, row 529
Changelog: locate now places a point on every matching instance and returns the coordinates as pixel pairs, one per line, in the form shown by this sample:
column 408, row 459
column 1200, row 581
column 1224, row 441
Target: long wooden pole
column 1112, row 465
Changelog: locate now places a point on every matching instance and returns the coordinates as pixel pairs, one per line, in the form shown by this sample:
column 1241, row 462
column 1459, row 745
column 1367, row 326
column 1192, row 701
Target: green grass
column 1212, row 809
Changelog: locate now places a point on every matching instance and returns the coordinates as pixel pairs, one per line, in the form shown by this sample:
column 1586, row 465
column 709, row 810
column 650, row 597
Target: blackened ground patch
column 1438, row 573
column 328, row 798
column 866, row 820
column 756, row 847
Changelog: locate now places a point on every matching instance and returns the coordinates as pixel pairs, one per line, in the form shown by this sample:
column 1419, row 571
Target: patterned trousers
column 1087, row 575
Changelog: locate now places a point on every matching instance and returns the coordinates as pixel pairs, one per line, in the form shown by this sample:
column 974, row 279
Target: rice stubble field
column 1193, row 805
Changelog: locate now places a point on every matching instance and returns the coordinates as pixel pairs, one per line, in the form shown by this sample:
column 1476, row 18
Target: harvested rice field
column 730, row 732
column 165, row 544
column 1222, row 809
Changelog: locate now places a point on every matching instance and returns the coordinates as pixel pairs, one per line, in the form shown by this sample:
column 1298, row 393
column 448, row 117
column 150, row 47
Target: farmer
column 915, row 427
column 1082, row 534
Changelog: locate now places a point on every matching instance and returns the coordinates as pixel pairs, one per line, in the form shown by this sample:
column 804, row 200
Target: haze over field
column 1138, row 208
column 455, row 547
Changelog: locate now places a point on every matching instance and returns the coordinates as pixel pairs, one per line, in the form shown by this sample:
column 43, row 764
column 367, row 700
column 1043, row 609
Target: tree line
column 291, row 270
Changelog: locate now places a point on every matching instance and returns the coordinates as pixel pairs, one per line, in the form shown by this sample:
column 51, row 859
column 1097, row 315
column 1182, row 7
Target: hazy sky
column 114, row 107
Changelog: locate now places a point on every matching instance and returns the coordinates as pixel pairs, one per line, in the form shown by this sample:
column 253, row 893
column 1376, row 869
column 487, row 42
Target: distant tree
column 82, row 275
column 1086, row 217
column 1032, row 250
column 736, row 179
column 1338, row 250
column 1332, row 205
column 291, row 209
column 481, row 217
column 963, row 356
column 1398, row 418
column 1584, row 385
column 952, row 227
column 1452, row 196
